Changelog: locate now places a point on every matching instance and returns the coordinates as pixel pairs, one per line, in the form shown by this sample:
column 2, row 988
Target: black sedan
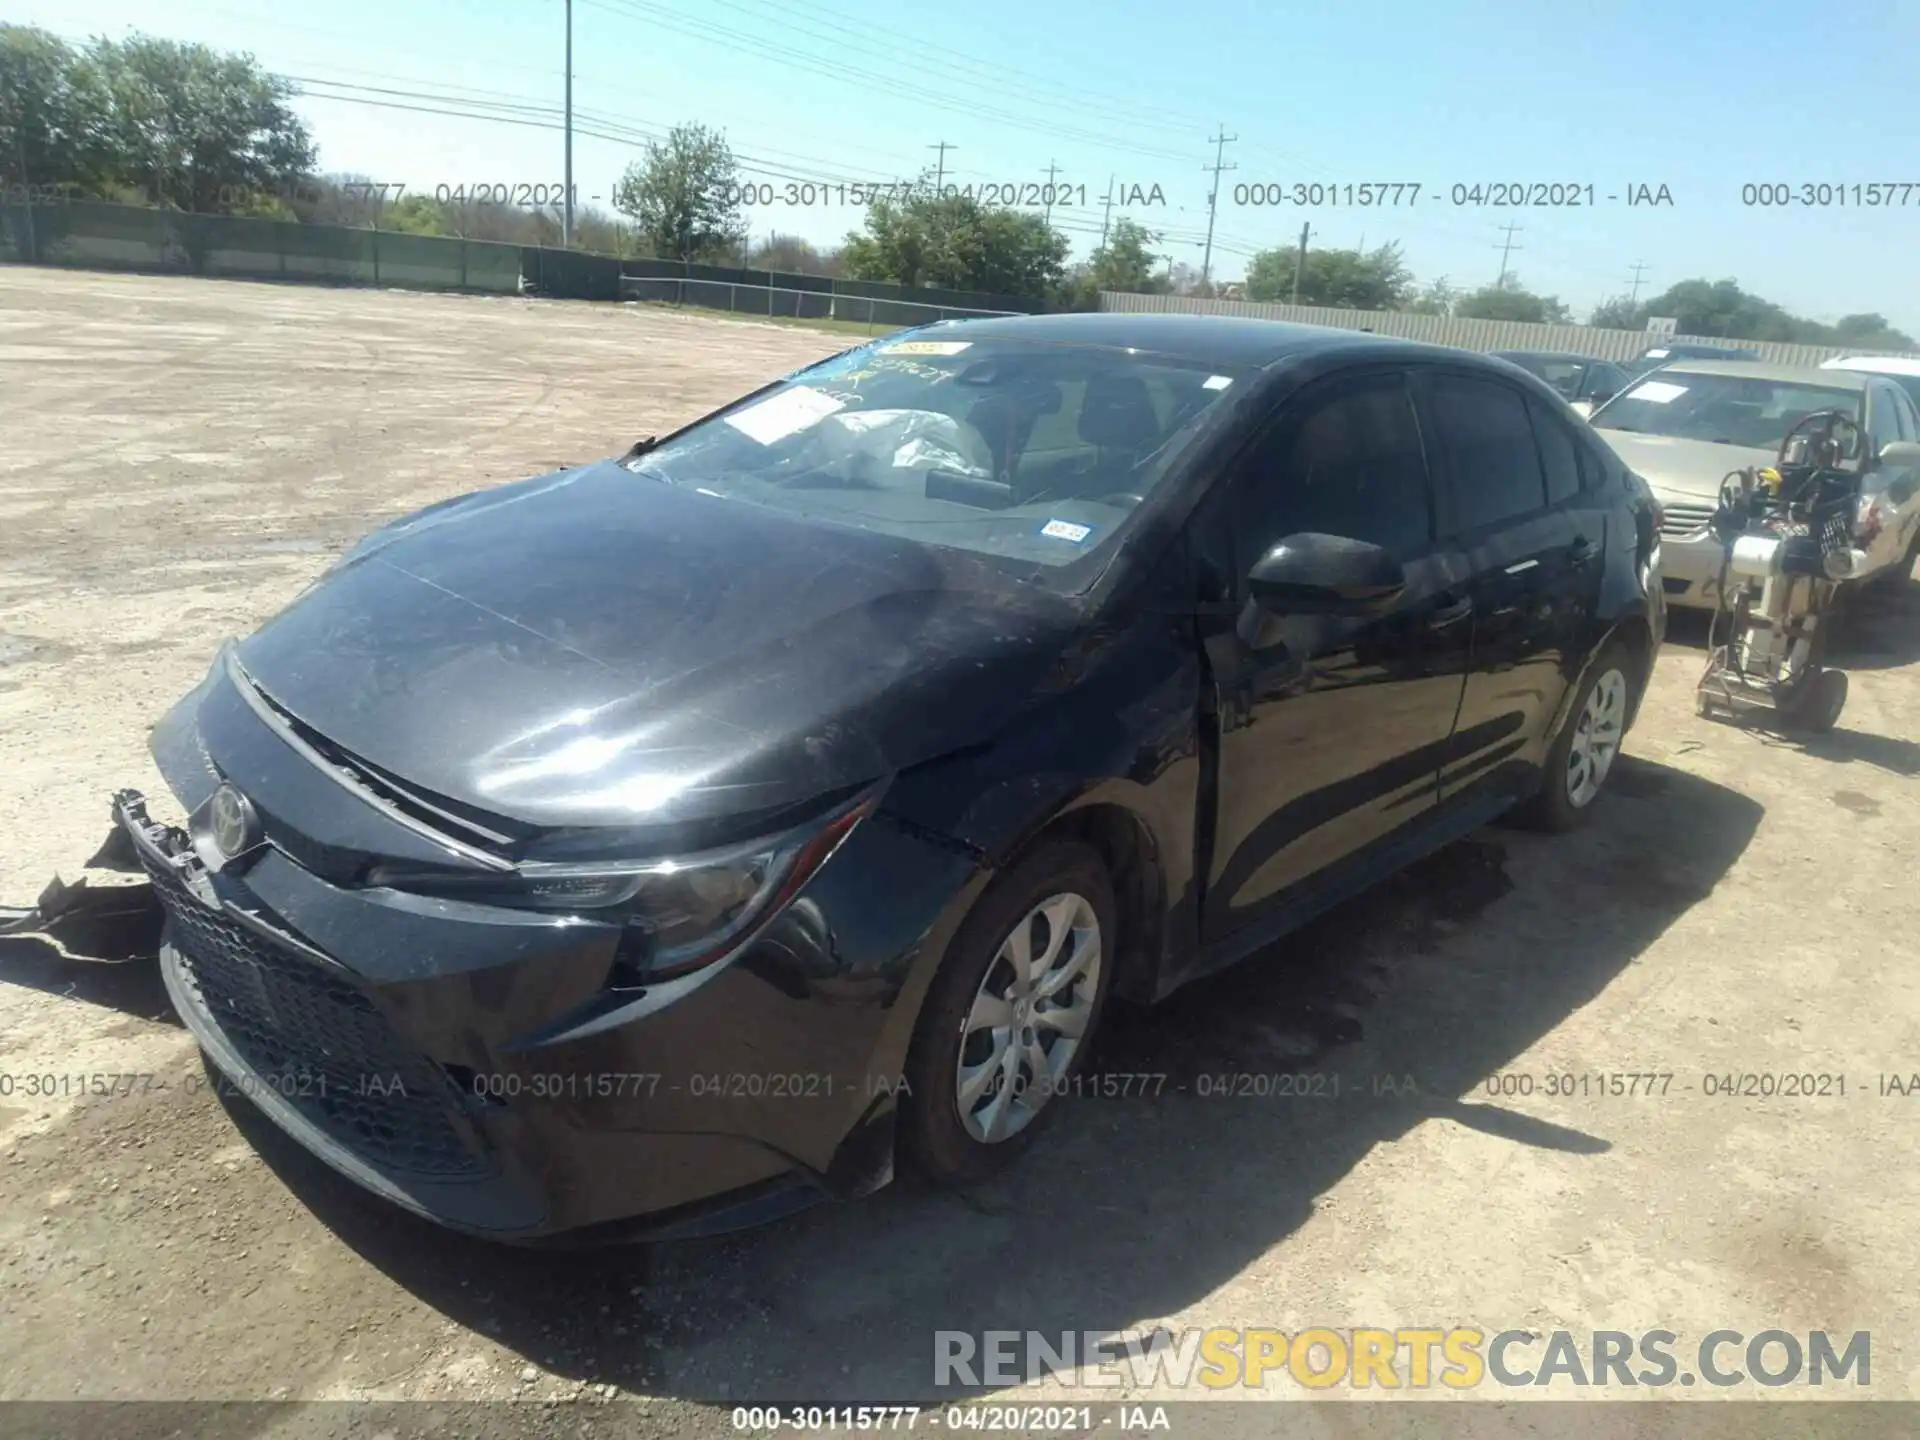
column 656, row 846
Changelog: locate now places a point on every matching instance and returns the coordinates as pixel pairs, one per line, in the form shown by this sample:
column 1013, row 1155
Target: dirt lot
column 181, row 457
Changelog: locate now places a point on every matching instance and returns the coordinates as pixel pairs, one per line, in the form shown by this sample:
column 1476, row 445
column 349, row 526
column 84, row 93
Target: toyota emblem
column 232, row 822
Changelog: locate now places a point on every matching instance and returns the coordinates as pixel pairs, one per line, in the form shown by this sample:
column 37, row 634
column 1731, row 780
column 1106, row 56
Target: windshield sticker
column 1216, row 382
column 1658, row 391
column 1066, row 530
column 927, row 347
column 787, row 413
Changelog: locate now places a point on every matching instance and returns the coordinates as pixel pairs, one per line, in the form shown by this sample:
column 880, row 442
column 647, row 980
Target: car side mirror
column 1314, row 574
column 1600, row 397
column 1900, row 452
column 1583, row 408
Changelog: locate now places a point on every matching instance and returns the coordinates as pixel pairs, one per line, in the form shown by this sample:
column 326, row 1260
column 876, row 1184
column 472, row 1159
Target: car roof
column 1810, row 375
column 1213, row 339
column 1876, row 364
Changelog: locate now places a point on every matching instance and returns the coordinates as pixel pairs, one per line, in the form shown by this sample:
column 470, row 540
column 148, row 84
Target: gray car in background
column 1685, row 427
column 1580, row 379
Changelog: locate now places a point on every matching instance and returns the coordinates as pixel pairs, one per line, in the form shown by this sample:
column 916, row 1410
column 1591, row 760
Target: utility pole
column 1505, row 250
column 1220, row 143
column 1634, row 298
column 566, row 223
column 1107, row 219
column 1047, row 197
column 1300, row 261
column 940, row 169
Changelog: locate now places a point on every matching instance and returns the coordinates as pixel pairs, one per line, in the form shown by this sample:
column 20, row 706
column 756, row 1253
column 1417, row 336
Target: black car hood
column 599, row 648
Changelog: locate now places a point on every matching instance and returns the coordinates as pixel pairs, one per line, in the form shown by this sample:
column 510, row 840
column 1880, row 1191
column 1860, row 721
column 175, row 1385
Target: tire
column 954, row 1144
column 1565, row 797
column 1816, row 709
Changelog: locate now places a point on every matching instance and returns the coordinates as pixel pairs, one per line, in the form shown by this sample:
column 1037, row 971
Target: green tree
column 1340, row 279
column 416, row 215
column 199, row 130
column 1126, row 261
column 1438, row 298
column 684, row 198
column 790, row 255
column 1510, row 300
column 53, row 112
column 1619, row 313
column 920, row 238
column 1870, row 332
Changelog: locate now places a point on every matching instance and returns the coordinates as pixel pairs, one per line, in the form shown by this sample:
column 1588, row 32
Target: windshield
column 1023, row 450
column 1563, row 375
column 1747, row 410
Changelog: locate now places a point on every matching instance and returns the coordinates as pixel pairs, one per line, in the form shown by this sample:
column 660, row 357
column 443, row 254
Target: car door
column 1529, row 564
column 1895, row 487
column 1330, row 729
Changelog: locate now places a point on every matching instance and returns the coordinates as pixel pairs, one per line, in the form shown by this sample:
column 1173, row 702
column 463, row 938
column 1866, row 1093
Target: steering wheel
column 1824, row 449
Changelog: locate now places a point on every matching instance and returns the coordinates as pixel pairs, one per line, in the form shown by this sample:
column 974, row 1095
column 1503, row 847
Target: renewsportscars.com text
column 1410, row 1358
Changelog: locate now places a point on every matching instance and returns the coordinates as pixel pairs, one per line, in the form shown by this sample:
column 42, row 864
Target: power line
column 986, row 71
column 1046, row 195
column 869, row 81
column 1220, row 143
column 940, row 170
column 1634, row 298
column 610, row 128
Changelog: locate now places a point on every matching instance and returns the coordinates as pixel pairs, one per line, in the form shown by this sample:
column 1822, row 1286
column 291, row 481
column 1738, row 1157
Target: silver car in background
column 1686, row 426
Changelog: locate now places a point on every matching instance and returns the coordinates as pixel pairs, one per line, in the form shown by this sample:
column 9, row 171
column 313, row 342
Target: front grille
column 316, row 1041
column 1683, row 520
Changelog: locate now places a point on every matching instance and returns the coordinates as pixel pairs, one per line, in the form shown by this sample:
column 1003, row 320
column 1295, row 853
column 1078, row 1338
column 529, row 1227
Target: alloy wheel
column 1596, row 738
column 1028, row 1017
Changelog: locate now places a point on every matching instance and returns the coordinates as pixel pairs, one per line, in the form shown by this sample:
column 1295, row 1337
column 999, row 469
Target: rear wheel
column 1010, row 1015
column 1582, row 754
column 1816, row 706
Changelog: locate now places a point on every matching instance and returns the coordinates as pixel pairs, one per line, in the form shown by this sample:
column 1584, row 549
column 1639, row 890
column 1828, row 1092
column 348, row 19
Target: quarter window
column 1558, row 454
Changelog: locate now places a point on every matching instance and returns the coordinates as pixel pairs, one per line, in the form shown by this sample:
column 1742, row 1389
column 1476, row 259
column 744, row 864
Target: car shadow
column 1185, row 1162
column 1880, row 629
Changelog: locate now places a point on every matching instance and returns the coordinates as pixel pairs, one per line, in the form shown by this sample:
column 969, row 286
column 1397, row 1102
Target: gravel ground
column 181, row 457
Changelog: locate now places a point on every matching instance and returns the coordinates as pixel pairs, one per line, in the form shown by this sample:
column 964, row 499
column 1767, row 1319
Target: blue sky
column 1701, row 97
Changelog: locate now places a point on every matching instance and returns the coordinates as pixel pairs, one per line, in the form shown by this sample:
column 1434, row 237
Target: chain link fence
column 96, row 235
column 781, row 302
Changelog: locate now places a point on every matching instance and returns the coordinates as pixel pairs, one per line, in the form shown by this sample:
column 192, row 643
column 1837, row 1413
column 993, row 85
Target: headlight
column 682, row 912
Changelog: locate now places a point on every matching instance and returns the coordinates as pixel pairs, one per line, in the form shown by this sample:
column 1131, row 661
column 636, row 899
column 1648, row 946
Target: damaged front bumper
column 415, row 1046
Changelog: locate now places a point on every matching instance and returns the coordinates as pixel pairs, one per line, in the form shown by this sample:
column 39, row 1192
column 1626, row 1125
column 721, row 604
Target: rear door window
column 1485, row 441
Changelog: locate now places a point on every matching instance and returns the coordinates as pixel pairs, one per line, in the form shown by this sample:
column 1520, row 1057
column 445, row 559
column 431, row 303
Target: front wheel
column 1010, row 1015
column 1582, row 754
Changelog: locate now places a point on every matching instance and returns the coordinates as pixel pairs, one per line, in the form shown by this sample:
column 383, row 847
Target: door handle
column 1450, row 614
column 1582, row 550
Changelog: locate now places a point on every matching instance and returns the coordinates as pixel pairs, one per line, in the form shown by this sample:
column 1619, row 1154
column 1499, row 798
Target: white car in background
column 1686, row 426
column 1902, row 370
